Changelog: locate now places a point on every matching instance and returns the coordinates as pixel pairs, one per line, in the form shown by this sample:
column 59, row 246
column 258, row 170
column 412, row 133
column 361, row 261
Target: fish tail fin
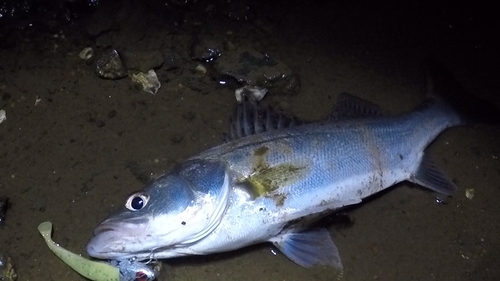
column 450, row 101
column 443, row 87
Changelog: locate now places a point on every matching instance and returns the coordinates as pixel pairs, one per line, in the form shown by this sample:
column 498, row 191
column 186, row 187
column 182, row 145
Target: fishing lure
column 127, row 270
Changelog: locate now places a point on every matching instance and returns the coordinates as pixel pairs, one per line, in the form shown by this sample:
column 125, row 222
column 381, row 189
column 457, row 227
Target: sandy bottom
column 70, row 137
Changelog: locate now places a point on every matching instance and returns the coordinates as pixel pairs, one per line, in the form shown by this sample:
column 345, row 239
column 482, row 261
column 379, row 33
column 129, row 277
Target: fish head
column 170, row 213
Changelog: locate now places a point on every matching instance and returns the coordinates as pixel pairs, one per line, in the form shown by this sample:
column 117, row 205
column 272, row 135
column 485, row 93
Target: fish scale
column 346, row 149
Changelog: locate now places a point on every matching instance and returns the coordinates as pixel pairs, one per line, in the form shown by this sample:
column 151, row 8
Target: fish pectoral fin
column 432, row 177
column 309, row 248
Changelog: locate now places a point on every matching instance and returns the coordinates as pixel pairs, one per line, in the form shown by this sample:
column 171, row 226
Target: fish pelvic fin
column 442, row 86
column 430, row 176
column 309, row 248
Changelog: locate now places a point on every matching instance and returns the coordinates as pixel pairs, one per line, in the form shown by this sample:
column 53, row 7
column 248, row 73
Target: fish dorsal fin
column 251, row 117
column 350, row 107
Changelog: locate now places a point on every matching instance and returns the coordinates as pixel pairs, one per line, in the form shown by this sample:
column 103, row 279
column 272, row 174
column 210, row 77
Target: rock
column 7, row 271
column 149, row 81
column 206, row 47
column 110, row 66
column 252, row 92
column 257, row 69
column 86, row 53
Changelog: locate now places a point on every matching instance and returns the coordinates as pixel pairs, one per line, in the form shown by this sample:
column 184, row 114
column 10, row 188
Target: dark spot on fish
column 183, row 223
column 400, row 157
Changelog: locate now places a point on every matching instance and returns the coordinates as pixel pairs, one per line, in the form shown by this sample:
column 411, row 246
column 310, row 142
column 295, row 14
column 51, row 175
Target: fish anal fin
column 432, row 177
column 309, row 248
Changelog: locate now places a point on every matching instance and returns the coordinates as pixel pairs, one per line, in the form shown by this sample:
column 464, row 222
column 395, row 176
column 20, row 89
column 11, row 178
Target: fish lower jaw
column 124, row 256
column 115, row 254
column 155, row 254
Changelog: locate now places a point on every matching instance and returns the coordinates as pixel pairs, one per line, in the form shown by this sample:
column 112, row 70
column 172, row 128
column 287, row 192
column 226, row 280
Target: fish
column 274, row 177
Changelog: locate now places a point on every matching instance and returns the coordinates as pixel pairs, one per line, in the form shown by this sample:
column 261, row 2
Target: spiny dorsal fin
column 251, row 117
column 349, row 107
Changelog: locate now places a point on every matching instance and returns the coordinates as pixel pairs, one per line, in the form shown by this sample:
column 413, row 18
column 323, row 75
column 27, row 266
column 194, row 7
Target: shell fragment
column 253, row 93
column 3, row 116
column 469, row 193
column 148, row 81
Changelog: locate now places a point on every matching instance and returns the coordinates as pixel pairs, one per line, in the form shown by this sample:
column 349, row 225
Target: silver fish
column 269, row 180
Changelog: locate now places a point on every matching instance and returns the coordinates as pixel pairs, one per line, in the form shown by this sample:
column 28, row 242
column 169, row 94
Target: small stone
column 251, row 92
column 149, row 81
column 87, row 53
column 3, row 116
column 110, row 65
column 469, row 193
column 201, row 69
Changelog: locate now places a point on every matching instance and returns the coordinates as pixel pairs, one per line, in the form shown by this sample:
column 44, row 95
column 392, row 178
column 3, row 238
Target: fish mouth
column 119, row 240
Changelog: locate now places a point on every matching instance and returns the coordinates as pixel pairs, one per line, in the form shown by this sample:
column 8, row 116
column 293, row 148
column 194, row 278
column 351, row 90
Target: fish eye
column 137, row 201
